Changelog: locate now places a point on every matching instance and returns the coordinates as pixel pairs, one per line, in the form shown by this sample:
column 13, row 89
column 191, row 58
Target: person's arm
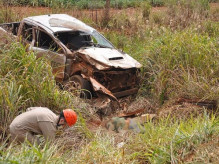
column 48, row 129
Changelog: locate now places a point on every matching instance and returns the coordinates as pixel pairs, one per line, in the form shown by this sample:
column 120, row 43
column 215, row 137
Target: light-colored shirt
column 38, row 120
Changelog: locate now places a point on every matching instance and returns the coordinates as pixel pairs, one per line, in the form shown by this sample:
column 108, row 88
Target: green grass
column 82, row 4
column 163, row 142
column 87, row 4
column 171, row 142
column 178, row 61
column 27, row 81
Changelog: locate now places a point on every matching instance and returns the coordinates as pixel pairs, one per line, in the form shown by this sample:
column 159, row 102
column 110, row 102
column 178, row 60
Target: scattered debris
column 103, row 105
column 100, row 88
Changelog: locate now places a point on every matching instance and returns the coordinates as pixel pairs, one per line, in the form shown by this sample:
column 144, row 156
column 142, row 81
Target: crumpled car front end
column 100, row 62
column 115, row 70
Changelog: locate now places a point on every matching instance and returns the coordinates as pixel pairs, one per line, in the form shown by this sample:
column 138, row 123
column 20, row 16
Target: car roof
column 43, row 21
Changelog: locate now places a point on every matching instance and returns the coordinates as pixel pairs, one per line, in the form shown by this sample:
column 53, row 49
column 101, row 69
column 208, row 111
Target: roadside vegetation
column 168, row 141
column 179, row 50
column 86, row 4
column 90, row 4
column 27, row 81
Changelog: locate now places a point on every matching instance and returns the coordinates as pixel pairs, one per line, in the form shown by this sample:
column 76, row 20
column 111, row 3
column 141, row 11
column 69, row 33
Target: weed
column 121, row 22
column 158, row 18
column 179, row 54
column 146, row 10
column 182, row 64
column 183, row 13
column 170, row 142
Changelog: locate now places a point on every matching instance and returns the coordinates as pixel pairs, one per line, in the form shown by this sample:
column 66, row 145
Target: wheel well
column 76, row 73
column 85, row 85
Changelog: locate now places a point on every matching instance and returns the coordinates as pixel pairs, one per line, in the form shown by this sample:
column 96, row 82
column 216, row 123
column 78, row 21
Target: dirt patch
column 25, row 11
column 72, row 138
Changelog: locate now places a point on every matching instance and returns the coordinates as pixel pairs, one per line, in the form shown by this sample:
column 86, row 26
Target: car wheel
column 82, row 85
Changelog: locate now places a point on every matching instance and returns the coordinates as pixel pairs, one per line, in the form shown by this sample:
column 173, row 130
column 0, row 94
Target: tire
column 82, row 85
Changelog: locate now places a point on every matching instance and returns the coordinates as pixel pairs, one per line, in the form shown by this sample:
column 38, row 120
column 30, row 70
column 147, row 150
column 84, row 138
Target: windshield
column 75, row 40
column 100, row 39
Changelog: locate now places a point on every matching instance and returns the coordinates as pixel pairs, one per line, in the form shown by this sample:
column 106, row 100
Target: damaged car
column 80, row 56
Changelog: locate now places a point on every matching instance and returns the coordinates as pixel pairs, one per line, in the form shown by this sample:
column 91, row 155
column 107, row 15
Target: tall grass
column 27, row 81
column 26, row 153
column 177, row 62
column 167, row 141
column 84, row 4
column 183, row 13
column 182, row 63
column 87, row 4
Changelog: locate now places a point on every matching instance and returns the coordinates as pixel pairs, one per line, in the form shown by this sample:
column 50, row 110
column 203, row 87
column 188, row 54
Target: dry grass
column 179, row 60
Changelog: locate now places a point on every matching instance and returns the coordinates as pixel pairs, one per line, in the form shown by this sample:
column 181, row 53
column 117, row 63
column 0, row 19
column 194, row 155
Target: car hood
column 109, row 58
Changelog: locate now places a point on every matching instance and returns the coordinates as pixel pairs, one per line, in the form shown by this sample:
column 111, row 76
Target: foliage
column 168, row 142
column 27, row 153
column 179, row 60
column 7, row 15
column 87, row 4
column 176, row 64
column 183, row 13
column 27, row 81
column 146, row 10
column 184, row 64
column 95, row 4
column 163, row 142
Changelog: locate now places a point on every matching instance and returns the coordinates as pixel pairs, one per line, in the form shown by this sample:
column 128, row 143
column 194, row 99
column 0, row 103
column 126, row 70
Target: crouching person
column 40, row 120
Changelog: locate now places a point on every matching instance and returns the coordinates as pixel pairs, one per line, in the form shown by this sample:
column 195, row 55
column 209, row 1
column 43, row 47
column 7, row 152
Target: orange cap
column 70, row 116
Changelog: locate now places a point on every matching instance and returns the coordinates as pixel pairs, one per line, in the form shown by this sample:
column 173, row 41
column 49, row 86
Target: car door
column 26, row 32
column 44, row 45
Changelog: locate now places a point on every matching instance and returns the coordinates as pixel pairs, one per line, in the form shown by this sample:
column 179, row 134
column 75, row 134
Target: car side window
column 27, row 32
column 45, row 41
column 74, row 40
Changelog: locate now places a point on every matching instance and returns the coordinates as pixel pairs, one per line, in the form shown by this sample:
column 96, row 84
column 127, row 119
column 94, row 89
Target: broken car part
column 78, row 54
